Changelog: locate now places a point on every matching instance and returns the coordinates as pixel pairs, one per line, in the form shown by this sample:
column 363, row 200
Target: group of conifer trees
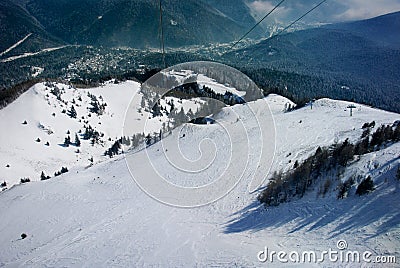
column 283, row 187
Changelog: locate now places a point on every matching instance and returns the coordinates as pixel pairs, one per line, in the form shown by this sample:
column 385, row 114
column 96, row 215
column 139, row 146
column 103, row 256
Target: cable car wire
column 258, row 23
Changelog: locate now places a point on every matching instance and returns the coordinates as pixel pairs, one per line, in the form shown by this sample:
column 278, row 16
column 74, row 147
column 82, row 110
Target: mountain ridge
column 94, row 22
column 333, row 53
column 382, row 29
column 61, row 229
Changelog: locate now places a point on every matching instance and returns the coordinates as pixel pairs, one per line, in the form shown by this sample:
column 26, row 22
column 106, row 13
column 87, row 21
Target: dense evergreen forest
column 90, row 66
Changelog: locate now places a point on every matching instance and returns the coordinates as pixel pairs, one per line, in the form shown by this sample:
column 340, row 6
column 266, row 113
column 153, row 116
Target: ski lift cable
column 258, row 23
column 300, row 18
column 161, row 29
column 287, row 27
column 280, row 32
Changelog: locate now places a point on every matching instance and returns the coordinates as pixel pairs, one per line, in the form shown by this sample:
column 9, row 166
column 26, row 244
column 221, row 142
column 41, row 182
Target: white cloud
column 260, row 8
column 362, row 9
column 330, row 11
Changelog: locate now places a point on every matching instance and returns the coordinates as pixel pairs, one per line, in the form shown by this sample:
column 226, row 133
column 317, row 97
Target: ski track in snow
column 29, row 54
column 99, row 217
column 15, row 45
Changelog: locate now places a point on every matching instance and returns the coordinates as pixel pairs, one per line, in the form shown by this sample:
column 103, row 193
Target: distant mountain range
column 115, row 23
column 16, row 23
column 383, row 30
column 363, row 56
column 354, row 61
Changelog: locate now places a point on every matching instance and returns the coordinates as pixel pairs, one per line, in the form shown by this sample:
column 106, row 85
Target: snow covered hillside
column 34, row 128
column 99, row 216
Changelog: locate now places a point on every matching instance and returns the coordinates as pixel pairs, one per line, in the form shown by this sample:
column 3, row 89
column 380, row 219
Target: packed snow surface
column 98, row 216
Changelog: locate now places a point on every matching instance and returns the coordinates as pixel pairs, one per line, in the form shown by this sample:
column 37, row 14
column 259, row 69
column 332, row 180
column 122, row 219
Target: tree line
column 284, row 187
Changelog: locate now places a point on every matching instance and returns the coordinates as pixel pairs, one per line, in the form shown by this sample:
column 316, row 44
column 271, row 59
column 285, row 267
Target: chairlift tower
column 351, row 107
column 312, row 102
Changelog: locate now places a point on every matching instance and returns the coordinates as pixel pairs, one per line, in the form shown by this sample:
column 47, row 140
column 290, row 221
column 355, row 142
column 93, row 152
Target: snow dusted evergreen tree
column 365, row 187
column 114, row 150
column 77, row 141
column 97, row 107
column 125, row 141
column 156, row 110
column 181, row 117
column 344, row 188
column 143, row 103
column 72, row 112
column 43, row 176
column 63, row 170
column 148, row 139
column 25, row 180
column 67, row 141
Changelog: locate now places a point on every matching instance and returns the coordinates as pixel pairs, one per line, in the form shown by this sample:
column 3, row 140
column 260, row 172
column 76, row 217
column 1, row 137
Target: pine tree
column 372, row 124
column 135, row 140
column 67, row 141
column 95, row 138
column 25, row 180
column 43, row 176
column 365, row 187
column 361, row 147
column 108, row 152
column 181, row 117
column 88, row 132
column 366, row 133
column 378, row 137
column 346, row 153
column 148, row 139
column 143, row 103
column 344, row 188
column 388, row 133
column 77, row 141
column 72, row 112
column 156, row 110
column 190, row 114
column 296, row 164
column 396, row 133
column 115, row 147
column 64, row 170
column 125, row 141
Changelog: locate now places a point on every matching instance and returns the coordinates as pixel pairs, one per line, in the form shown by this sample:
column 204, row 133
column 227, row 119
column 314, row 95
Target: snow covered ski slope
column 100, row 216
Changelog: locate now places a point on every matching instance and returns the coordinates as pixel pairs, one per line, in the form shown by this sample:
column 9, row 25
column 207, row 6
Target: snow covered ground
column 183, row 76
column 39, row 114
column 99, row 216
column 29, row 54
column 22, row 156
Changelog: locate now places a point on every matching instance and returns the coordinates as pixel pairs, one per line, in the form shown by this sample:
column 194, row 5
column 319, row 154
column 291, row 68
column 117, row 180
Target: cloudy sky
column 330, row 11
